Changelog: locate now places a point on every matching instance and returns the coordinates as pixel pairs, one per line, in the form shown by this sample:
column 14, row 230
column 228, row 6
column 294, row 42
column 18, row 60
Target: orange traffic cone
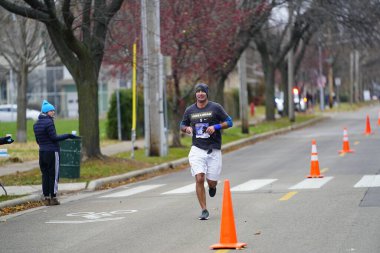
column 378, row 119
column 228, row 239
column 314, row 167
column 346, row 143
column 367, row 126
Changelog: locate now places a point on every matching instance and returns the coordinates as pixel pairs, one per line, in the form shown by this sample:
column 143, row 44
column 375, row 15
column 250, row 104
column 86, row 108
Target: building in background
column 55, row 84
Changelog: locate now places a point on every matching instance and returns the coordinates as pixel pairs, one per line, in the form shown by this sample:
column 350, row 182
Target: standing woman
column 47, row 139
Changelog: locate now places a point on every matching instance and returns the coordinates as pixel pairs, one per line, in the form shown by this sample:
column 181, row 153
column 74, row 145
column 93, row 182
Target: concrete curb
column 20, row 201
column 98, row 183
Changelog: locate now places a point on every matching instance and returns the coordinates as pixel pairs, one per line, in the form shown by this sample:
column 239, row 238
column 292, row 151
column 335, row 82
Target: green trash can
column 69, row 160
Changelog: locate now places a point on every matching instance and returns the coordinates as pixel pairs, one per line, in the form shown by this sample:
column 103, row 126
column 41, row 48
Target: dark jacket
column 6, row 140
column 46, row 136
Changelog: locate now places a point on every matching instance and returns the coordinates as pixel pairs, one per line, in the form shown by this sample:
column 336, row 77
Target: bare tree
column 258, row 12
column 338, row 28
column 22, row 45
column 78, row 30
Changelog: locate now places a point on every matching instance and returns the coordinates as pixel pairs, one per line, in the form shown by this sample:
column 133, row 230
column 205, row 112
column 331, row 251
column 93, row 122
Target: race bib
column 200, row 130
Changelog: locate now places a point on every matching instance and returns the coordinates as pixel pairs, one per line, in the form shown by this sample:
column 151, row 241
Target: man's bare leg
column 200, row 189
column 211, row 183
column 212, row 187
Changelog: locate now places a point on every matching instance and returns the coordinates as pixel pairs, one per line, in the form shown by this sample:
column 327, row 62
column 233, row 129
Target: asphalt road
column 276, row 209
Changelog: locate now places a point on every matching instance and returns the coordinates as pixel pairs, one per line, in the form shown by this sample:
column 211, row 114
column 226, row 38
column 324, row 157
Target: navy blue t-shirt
column 200, row 119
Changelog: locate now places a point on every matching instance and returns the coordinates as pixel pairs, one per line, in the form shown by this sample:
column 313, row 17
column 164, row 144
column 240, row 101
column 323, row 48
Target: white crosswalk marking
column 311, row 183
column 252, row 185
column 368, row 181
column 132, row 191
column 249, row 186
column 185, row 189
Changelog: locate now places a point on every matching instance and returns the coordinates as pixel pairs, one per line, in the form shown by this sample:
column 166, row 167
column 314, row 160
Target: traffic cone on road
column 378, row 119
column 314, row 167
column 346, row 143
column 368, row 127
column 228, row 238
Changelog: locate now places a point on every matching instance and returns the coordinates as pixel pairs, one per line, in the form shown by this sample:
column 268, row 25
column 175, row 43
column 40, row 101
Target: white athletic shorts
column 209, row 164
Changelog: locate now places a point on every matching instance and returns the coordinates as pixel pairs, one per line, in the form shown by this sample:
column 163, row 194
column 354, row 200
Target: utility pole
column 155, row 143
column 290, row 68
column 331, row 83
column 321, row 79
column 351, row 78
column 356, row 76
column 330, row 61
column 242, row 67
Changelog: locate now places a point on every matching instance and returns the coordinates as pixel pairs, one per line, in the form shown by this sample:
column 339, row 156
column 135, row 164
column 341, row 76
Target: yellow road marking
column 288, row 196
column 342, row 154
column 324, row 170
column 222, row 251
column 356, row 142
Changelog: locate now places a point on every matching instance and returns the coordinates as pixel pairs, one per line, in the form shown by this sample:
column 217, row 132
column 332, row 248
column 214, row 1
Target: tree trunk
column 269, row 67
column 22, row 84
column 285, row 88
column 88, row 113
column 177, row 109
column 216, row 87
column 269, row 92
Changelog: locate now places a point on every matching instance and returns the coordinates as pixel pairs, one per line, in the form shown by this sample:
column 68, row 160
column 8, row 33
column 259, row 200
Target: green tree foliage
column 125, row 115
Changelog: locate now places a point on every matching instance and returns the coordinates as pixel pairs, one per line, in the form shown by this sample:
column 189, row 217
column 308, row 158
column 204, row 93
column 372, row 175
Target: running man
column 204, row 121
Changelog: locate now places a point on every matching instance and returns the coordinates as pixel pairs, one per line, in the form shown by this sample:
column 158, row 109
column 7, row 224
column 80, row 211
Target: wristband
column 217, row 126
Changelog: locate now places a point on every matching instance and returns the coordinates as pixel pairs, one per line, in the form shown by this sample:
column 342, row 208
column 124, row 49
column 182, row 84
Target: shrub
column 125, row 115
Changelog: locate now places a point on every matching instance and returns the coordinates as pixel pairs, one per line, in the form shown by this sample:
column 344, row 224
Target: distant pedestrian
column 204, row 120
column 47, row 139
column 309, row 101
column 6, row 140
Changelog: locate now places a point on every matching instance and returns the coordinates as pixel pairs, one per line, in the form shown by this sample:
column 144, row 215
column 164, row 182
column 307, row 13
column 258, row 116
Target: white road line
column 252, row 185
column 132, row 191
column 185, row 189
column 368, row 181
column 311, row 183
column 82, row 221
column 182, row 190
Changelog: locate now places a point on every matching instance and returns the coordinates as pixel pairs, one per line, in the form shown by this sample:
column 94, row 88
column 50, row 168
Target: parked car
column 300, row 103
column 8, row 112
column 279, row 105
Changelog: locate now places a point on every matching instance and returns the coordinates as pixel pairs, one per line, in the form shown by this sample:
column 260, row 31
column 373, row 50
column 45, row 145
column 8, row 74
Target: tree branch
column 68, row 17
column 34, row 13
column 86, row 22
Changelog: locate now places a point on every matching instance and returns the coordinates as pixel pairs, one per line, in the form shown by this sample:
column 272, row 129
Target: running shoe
column 54, row 201
column 204, row 215
column 212, row 191
column 47, row 201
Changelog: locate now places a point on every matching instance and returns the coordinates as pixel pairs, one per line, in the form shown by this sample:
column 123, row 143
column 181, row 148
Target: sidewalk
column 113, row 149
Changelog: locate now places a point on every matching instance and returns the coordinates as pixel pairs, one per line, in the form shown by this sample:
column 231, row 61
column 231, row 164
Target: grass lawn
column 22, row 152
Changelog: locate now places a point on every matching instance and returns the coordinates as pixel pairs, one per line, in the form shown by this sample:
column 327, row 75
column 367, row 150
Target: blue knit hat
column 46, row 107
column 201, row 87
